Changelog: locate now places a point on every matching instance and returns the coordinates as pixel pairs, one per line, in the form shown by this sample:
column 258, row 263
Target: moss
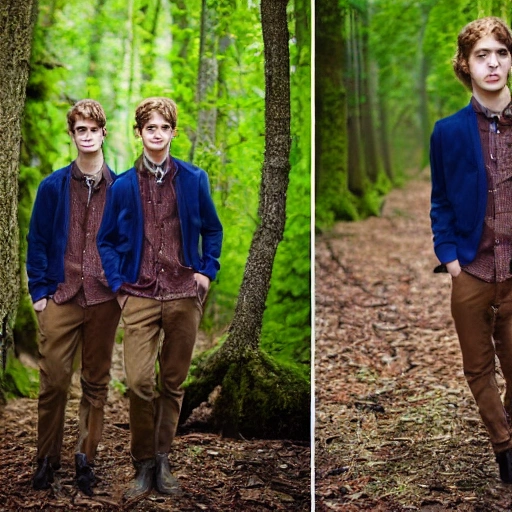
column 264, row 399
column 19, row 380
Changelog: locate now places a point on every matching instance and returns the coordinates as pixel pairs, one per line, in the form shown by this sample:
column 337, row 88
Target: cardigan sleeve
column 442, row 214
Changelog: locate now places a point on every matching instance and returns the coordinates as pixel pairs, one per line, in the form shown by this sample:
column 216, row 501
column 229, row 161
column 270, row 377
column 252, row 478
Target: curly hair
column 470, row 35
column 164, row 106
column 86, row 109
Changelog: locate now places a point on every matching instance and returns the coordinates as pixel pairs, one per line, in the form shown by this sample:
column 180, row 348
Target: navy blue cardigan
column 121, row 236
column 48, row 233
column 459, row 187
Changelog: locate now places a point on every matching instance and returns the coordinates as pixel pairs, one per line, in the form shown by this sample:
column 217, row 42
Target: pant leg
column 142, row 324
column 472, row 301
column 180, row 324
column 60, row 335
column 503, row 340
column 98, row 342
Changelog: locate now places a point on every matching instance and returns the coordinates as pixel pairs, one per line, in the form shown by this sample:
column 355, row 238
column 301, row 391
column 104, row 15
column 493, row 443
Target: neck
column 90, row 163
column 494, row 101
column 157, row 157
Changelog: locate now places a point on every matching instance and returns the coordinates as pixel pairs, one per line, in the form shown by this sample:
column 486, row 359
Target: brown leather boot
column 143, row 480
column 166, row 483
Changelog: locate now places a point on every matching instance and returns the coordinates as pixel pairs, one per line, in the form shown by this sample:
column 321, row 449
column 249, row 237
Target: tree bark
column 331, row 149
column 17, row 20
column 203, row 144
column 367, row 106
column 245, row 329
column 356, row 165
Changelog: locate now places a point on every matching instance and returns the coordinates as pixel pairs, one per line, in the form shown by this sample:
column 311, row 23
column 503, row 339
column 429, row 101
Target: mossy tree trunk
column 17, row 21
column 258, row 397
column 331, row 147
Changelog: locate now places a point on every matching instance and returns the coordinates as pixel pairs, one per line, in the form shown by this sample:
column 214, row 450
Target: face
column 157, row 134
column 88, row 136
column 489, row 65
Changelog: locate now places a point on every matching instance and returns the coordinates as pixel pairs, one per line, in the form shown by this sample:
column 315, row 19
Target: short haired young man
column 159, row 244
column 76, row 309
column 471, row 214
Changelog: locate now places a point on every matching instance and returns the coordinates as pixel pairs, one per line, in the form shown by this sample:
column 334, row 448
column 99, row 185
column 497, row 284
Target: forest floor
column 216, row 474
column 396, row 426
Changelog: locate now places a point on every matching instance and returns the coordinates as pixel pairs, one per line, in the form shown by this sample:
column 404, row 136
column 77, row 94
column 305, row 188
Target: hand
column 40, row 305
column 454, row 268
column 203, row 285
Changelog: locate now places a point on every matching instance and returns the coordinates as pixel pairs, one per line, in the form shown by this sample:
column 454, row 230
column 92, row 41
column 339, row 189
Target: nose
column 493, row 60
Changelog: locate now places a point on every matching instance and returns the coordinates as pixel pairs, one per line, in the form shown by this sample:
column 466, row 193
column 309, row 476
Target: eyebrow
column 501, row 47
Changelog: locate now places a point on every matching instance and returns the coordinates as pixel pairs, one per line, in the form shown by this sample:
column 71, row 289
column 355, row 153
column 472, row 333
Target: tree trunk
column 356, row 167
column 245, row 329
column 422, row 86
column 95, row 49
column 203, row 144
column 17, row 21
column 149, row 13
column 367, row 105
column 258, row 397
column 331, row 151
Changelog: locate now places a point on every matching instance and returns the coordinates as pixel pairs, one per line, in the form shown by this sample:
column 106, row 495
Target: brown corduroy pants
column 62, row 330
column 154, row 414
column 483, row 319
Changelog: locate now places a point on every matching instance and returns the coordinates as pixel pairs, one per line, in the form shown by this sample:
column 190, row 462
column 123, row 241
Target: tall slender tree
column 258, row 397
column 203, row 145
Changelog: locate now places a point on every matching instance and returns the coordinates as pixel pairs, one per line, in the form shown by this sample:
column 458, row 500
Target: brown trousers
column 154, row 414
column 62, row 330
column 483, row 318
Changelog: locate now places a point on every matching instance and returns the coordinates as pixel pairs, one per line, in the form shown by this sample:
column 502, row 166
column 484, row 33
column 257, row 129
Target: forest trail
column 396, row 425
column 216, row 474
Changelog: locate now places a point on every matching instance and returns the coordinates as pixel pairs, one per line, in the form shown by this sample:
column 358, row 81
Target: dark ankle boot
column 143, row 481
column 504, row 460
column 165, row 482
column 84, row 474
column 43, row 476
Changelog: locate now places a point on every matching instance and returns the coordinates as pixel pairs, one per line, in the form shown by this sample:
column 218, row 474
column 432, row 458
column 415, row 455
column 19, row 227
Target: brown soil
column 216, row 474
column 396, row 426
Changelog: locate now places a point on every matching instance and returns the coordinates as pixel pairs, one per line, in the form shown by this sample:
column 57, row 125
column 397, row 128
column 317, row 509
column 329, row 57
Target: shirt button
column 497, row 242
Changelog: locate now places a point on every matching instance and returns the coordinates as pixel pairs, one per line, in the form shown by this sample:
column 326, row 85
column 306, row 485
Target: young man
column 471, row 213
column 76, row 309
column 159, row 244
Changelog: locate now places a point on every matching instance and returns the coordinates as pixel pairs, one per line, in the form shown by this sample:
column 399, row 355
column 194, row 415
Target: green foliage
column 18, row 380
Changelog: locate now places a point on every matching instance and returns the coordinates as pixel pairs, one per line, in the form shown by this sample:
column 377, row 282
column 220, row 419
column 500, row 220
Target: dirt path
column 216, row 474
column 396, row 426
